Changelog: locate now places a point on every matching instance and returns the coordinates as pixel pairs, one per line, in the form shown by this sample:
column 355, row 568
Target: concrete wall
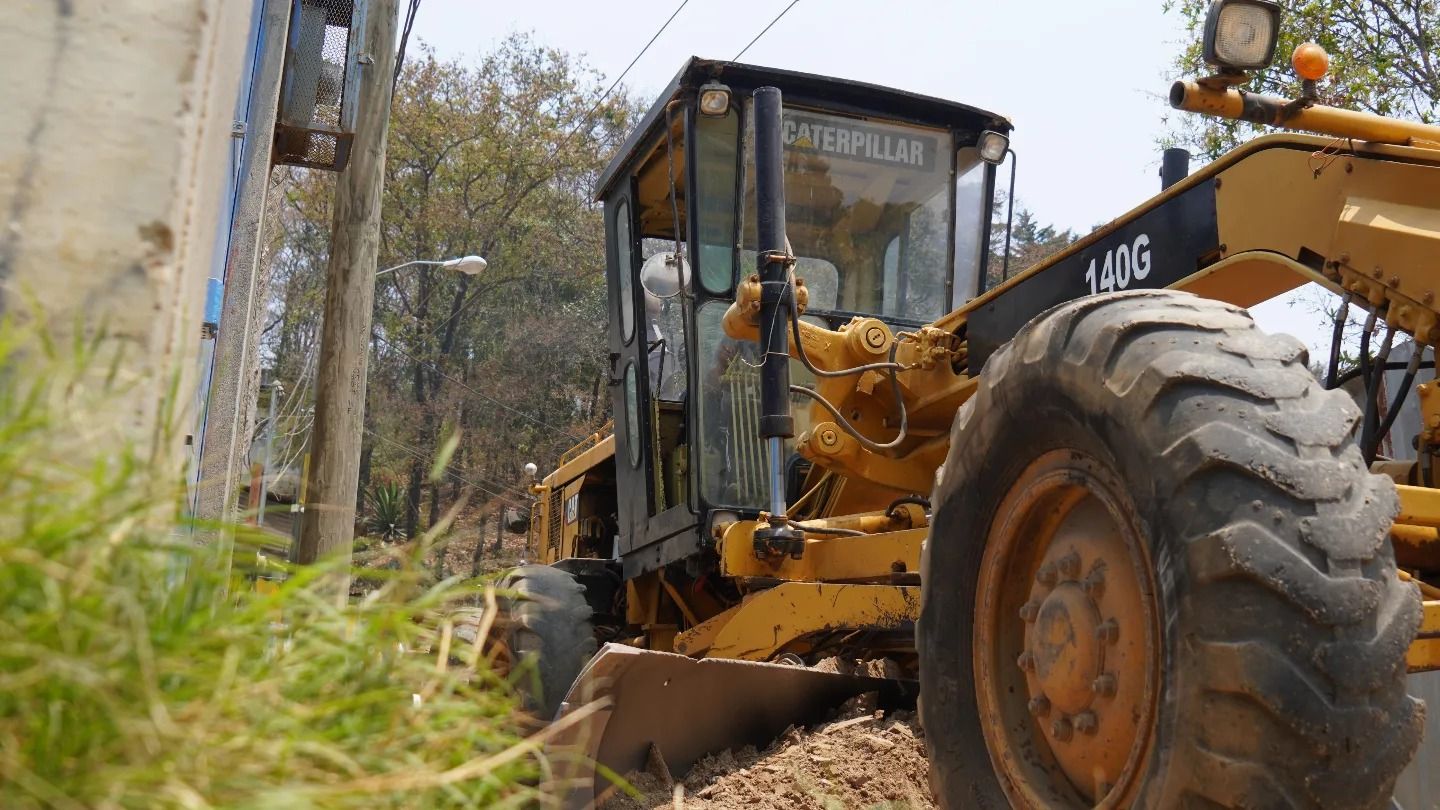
column 115, row 150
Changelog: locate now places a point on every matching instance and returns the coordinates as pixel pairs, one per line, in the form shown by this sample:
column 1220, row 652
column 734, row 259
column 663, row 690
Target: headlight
column 714, row 99
column 993, row 146
column 1241, row 34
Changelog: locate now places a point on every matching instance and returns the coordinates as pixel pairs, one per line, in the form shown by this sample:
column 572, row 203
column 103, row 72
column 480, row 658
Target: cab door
column 627, row 364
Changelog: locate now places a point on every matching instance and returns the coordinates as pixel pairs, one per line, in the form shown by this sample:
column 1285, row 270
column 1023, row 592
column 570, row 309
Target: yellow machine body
column 1358, row 215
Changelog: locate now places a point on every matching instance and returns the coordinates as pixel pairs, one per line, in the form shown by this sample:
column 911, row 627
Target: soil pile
column 864, row 758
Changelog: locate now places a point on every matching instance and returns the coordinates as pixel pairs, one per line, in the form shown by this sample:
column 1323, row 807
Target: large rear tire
column 548, row 633
column 1159, row 575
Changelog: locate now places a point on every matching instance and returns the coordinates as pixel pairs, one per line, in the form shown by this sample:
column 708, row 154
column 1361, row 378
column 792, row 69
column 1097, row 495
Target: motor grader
column 1130, row 547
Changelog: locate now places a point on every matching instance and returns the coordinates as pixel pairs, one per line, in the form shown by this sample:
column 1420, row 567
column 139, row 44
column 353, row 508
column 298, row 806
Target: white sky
column 1083, row 82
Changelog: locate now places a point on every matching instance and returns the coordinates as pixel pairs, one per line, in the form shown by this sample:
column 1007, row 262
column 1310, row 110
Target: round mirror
column 659, row 275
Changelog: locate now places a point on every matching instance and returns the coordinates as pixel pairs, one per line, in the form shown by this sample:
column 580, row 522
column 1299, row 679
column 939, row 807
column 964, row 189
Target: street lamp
column 469, row 265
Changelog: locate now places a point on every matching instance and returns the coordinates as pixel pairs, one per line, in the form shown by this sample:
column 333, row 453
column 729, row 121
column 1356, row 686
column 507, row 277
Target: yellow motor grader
column 1133, row 550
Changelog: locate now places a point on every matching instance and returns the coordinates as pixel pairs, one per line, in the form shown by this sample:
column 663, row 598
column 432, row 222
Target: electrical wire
column 410, row 13
column 589, row 115
column 883, row 448
column 420, row 456
column 844, row 372
column 1009, row 216
column 765, row 30
column 674, row 201
column 623, row 73
column 436, row 368
column 586, row 119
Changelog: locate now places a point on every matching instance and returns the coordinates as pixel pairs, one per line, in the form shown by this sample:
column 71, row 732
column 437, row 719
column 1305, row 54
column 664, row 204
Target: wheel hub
column 1068, row 657
column 1067, row 654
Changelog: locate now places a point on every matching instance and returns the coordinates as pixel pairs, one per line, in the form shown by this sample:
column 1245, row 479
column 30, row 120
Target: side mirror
column 665, row 274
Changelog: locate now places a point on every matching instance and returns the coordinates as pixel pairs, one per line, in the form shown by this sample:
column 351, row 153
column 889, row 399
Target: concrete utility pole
column 328, row 523
column 114, row 175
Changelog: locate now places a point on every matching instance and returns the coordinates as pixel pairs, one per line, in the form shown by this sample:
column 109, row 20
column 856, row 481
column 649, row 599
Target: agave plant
column 387, row 512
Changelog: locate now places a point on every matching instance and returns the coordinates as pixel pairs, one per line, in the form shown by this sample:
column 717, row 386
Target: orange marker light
column 1310, row 61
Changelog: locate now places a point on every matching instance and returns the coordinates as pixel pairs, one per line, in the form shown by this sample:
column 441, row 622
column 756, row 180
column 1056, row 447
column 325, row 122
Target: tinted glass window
column 852, row 187
column 971, row 219
column 625, row 266
column 731, row 456
column 632, row 416
column 716, row 150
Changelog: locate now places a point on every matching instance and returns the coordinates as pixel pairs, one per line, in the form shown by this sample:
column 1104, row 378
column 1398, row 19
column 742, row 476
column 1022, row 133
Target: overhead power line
column 436, row 368
column 764, row 30
column 624, row 72
column 410, row 13
column 589, row 116
column 420, row 456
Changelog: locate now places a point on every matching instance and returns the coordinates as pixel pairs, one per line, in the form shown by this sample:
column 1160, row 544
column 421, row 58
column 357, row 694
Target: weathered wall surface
column 114, row 148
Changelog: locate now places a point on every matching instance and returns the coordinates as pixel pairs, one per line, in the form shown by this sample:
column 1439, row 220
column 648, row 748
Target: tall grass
column 135, row 673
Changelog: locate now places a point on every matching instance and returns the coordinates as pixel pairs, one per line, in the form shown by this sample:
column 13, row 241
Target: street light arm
column 469, row 265
column 407, row 264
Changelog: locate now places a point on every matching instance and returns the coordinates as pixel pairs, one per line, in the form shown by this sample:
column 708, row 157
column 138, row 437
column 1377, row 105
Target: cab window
column 857, row 190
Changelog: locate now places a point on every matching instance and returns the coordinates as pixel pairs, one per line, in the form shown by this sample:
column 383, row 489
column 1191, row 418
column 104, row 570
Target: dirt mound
column 864, row 758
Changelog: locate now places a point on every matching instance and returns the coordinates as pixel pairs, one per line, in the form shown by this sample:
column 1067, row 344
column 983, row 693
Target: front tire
column 548, row 633
column 1243, row 642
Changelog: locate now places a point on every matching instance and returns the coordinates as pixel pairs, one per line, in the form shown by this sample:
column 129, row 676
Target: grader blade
column 687, row 708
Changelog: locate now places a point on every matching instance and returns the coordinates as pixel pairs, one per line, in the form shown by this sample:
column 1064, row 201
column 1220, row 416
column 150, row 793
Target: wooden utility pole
column 328, row 523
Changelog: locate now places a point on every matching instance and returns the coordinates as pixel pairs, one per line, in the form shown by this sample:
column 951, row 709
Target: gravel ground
column 863, row 758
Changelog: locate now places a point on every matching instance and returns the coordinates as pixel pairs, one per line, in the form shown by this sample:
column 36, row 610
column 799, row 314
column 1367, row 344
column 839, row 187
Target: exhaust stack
column 773, row 265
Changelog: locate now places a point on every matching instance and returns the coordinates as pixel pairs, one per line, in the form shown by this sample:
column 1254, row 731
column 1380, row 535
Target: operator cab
column 888, row 209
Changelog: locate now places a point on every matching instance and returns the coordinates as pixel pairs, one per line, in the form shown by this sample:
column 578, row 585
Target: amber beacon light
column 1310, row 61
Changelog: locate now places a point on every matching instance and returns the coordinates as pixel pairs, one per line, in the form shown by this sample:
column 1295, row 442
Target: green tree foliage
column 1384, row 58
column 1031, row 242
column 495, row 159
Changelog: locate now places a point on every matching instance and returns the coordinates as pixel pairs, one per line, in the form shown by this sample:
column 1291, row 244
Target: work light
column 714, row 99
column 1241, row 34
column 993, row 146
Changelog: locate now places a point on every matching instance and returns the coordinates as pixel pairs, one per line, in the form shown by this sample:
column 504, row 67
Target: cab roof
column 825, row 92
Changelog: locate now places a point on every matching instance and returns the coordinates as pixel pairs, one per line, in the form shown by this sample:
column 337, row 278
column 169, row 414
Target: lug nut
column 1108, row 631
column 1086, row 722
column 1069, row 565
column 1046, row 575
column 1030, row 610
column 1039, row 706
column 1026, row 661
column 1094, row 583
column 1061, row 729
column 1104, row 686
